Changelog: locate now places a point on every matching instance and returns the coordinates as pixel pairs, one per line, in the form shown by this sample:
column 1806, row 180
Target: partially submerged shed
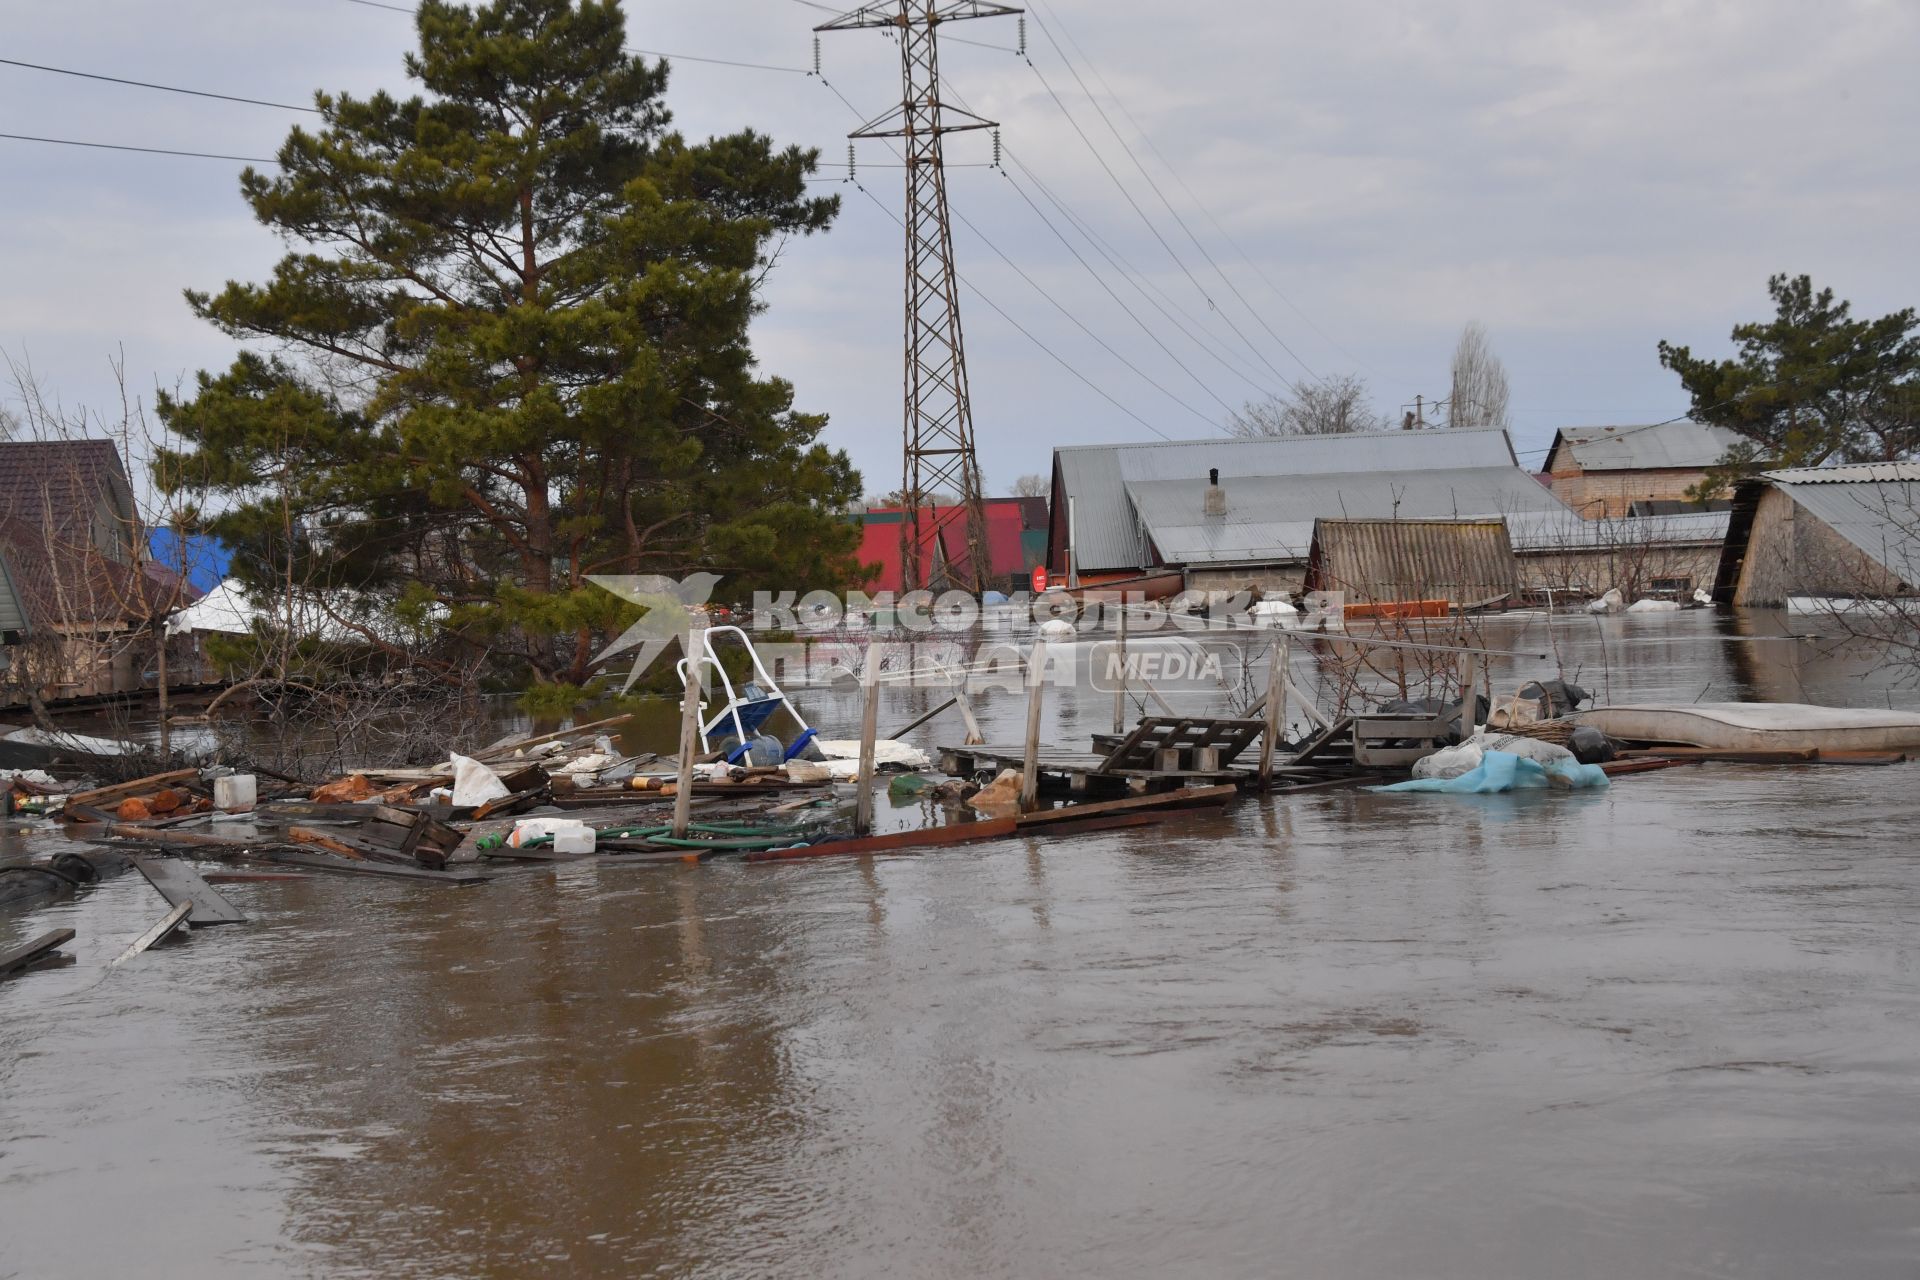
column 1834, row 532
column 1466, row 563
column 1231, row 514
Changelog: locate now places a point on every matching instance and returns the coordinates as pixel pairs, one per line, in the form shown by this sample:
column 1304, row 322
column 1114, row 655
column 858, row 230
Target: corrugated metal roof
column 1568, row 532
column 1881, row 516
column 1270, row 518
column 1381, row 561
column 1659, row 446
column 1899, row 472
column 1108, row 535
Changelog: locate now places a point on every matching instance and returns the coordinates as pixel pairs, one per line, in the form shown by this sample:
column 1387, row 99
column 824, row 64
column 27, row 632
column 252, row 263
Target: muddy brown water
column 1669, row 1029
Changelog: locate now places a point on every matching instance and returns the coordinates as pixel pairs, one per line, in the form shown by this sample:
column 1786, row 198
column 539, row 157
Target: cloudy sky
column 1362, row 179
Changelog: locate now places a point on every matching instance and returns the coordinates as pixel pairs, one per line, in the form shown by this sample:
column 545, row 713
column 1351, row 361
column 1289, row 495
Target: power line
column 1120, row 104
column 1155, row 187
column 1148, row 222
column 164, row 88
column 118, row 146
column 1133, row 275
column 1024, row 332
column 1081, row 325
column 1142, row 283
column 845, row 101
column 1119, row 302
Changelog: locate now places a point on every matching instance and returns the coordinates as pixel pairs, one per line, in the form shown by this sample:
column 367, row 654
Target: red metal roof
column 880, row 541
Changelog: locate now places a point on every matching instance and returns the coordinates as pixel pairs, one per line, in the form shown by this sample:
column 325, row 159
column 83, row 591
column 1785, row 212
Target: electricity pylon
column 939, row 416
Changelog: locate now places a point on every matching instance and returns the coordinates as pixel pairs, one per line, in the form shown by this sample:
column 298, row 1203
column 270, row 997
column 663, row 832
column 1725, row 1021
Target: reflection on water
column 1673, row 1028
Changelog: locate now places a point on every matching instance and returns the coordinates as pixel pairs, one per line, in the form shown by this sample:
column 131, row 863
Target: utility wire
column 1078, row 323
column 1121, row 187
column 845, row 101
column 1121, row 105
column 1117, row 261
column 164, row 88
column 1117, row 301
column 117, row 146
column 1057, row 358
column 1142, row 283
column 1155, row 187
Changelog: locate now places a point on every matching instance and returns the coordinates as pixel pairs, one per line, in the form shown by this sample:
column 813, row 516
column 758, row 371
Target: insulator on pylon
column 996, row 148
column 849, row 162
column 1023, row 36
column 816, row 55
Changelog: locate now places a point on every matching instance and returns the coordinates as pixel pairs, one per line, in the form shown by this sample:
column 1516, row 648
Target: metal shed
column 1465, row 562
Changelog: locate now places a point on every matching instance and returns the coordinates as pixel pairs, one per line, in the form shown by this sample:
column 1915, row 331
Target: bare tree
column 1032, row 486
column 1480, row 396
column 1335, row 405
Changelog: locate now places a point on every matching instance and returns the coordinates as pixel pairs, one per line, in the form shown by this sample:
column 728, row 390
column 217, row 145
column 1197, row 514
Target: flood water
column 1670, row 1029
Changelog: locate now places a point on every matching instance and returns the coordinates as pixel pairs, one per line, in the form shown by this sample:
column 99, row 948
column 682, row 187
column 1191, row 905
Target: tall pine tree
column 509, row 348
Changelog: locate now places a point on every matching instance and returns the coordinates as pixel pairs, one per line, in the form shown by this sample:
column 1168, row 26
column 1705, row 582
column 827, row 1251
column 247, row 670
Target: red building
column 1016, row 542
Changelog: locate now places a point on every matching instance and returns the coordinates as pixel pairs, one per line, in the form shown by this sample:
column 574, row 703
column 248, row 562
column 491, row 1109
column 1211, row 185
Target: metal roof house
column 1850, row 531
column 1620, row 471
column 1231, row 513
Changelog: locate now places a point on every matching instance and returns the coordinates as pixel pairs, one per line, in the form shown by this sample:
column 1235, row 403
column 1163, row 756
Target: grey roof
column 1661, row 446
column 1271, row 518
column 1875, row 506
column 1898, row 472
column 1276, row 521
column 1569, row 532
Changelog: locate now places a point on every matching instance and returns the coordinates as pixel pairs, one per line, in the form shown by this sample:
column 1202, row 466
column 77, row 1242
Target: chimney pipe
column 1214, row 501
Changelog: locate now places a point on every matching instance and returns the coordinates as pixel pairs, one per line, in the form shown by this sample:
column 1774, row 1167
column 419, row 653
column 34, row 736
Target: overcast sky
column 1583, row 179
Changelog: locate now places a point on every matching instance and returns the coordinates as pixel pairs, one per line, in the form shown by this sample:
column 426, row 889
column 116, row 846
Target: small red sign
column 1039, row 579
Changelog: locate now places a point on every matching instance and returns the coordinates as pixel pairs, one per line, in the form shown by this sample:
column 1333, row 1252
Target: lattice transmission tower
column 939, row 417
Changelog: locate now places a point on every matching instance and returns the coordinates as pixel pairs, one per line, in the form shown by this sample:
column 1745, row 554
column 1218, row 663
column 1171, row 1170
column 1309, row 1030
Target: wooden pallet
column 1166, row 745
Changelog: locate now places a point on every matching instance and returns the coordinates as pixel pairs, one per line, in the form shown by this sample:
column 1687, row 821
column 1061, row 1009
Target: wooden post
column 689, row 725
column 869, row 726
column 1030, row 772
column 1120, row 683
column 974, row 736
column 1469, row 682
column 1276, row 709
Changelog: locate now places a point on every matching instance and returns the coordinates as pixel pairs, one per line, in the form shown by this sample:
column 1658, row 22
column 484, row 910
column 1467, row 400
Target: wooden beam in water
column 175, row 919
column 957, row 833
column 177, row 883
column 21, row 958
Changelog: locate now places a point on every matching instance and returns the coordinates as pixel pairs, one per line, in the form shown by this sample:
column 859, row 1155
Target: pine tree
column 509, row 348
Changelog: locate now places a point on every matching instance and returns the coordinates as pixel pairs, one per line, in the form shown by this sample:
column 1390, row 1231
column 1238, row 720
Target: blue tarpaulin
column 201, row 560
column 1503, row 771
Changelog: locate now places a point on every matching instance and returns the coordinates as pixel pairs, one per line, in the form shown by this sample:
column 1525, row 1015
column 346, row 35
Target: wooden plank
column 956, row 833
column 1164, row 800
column 916, row 723
column 121, row 790
column 506, row 750
column 175, row 919
column 251, row 877
column 329, row 862
column 321, row 840
column 21, row 957
column 188, row 839
column 1111, row 822
column 177, row 883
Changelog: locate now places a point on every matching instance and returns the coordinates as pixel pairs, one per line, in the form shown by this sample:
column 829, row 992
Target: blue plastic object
column 1500, row 771
column 799, row 744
